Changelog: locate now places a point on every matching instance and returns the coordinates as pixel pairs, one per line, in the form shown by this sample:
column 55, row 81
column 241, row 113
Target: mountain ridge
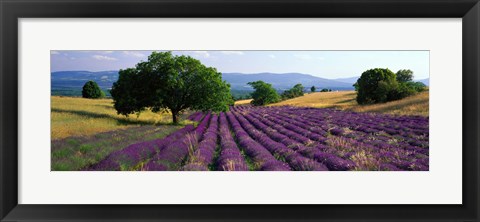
column 238, row 81
column 75, row 79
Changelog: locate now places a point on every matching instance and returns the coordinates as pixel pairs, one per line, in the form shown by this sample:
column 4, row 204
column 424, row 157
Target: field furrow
column 200, row 158
column 230, row 158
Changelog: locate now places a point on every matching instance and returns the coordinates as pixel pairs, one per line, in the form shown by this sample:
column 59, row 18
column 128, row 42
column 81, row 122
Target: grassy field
column 414, row 105
column 73, row 116
column 342, row 100
column 345, row 100
column 243, row 102
column 84, row 131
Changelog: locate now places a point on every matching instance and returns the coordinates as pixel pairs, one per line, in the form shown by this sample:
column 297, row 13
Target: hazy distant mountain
column 238, row 81
column 76, row 79
column 424, row 81
column 283, row 81
column 350, row 80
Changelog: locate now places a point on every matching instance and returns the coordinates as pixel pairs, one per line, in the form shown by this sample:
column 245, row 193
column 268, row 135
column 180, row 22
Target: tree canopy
column 375, row 86
column 166, row 82
column 313, row 89
column 91, row 90
column 264, row 93
column 296, row 91
column 404, row 75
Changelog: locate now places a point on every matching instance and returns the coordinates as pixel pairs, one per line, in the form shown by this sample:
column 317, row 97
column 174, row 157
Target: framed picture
column 224, row 110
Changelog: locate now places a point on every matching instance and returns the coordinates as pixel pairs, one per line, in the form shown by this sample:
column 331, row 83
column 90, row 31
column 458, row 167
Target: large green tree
column 166, row 82
column 91, row 90
column 264, row 93
column 376, row 86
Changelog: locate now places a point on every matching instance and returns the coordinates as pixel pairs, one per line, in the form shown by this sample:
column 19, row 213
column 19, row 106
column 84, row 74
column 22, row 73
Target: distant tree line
column 264, row 93
column 314, row 89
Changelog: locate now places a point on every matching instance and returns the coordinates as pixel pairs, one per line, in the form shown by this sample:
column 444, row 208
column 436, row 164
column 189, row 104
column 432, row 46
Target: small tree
column 264, row 93
column 313, row 89
column 296, row 91
column 91, row 90
column 404, row 75
column 376, row 86
column 170, row 83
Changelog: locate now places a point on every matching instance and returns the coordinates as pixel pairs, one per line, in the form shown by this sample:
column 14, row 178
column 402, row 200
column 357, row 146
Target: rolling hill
column 350, row 80
column 283, row 81
column 417, row 105
column 76, row 79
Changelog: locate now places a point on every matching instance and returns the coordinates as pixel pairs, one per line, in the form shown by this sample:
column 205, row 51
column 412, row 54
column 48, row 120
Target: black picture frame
column 12, row 10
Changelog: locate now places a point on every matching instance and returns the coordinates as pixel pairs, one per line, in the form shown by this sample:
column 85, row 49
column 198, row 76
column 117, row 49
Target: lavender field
column 282, row 138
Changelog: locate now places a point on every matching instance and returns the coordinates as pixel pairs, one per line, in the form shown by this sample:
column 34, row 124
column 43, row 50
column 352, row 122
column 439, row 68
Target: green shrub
column 296, row 91
column 91, row 90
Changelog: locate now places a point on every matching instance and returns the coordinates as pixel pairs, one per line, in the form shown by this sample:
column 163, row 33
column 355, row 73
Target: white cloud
column 102, row 57
column 134, row 54
column 272, row 56
column 232, row 52
column 204, row 54
column 106, row 52
column 54, row 52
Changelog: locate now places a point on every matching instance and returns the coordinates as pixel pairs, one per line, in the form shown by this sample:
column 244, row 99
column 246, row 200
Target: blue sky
column 326, row 64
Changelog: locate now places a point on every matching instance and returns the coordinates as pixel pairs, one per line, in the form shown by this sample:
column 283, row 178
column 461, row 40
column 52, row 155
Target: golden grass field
column 73, row 116
column 346, row 100
column 243, row 102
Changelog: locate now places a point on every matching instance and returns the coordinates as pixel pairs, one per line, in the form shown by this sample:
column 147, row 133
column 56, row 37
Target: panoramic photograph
column 283, row 110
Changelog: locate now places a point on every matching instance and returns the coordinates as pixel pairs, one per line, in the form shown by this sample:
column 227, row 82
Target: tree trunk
column 174, row 117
